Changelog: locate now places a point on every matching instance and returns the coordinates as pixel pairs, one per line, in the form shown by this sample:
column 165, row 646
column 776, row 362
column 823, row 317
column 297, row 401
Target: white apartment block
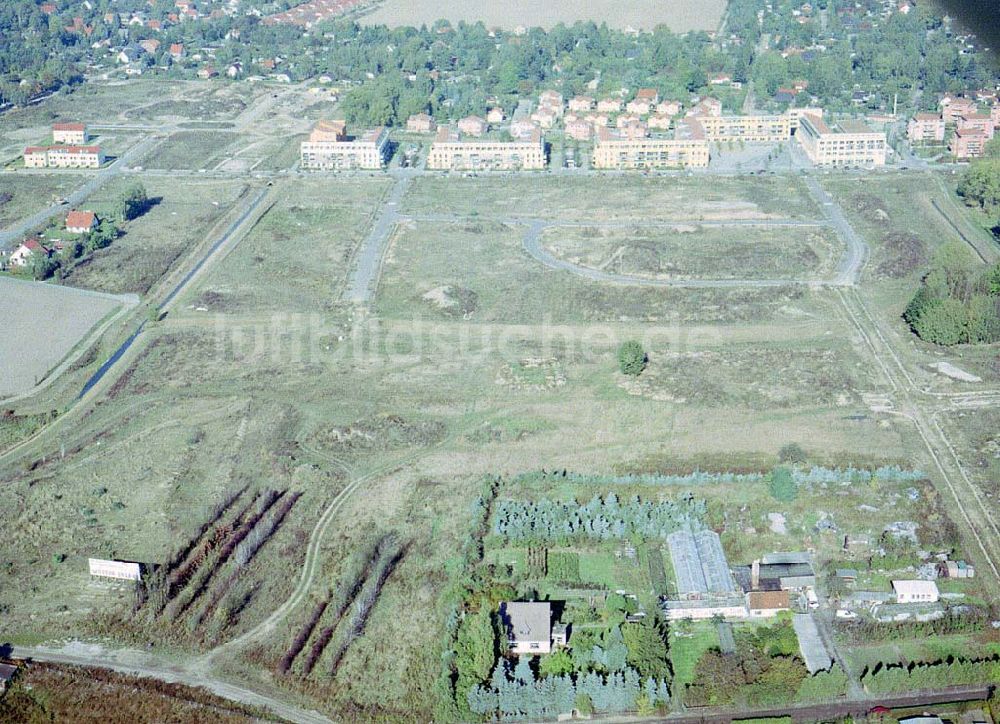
column 451, row 152
column 369, row 151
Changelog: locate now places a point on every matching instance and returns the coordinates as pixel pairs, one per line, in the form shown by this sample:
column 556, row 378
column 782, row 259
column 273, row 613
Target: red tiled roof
column 80, row 219
column 68, row 127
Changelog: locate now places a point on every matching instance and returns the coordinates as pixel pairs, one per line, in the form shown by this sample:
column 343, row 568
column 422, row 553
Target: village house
column 767, row 604
column 956, row 569
column 495, row 115
column 720, row 79
column 597, row 119
column 545, row 117
column 150, row 45
column 70, row 133
column 81, row 222
column 659, row 121
column 529, row 627
column 638, row 107
column 609, row 105
column 523, row 128
column 648, row 95
column 635, row 130
column 915, row 591
column 626, row 119
column 551, row 99
column 472, row 126
column 706, row 107
column 579, row 130
column 177, row 51
column 581, row 104
column 21, row 256
column 421, row 123
column 954, row 108
column 925, row 127
column 207, row 72
column 130, row 54
column 668, row 108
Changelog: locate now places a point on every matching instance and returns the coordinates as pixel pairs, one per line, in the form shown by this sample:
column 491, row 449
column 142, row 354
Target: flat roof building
column 329, row 150
column 848, row 144
column 752, row 129
column 451, row 152
column 616, row 152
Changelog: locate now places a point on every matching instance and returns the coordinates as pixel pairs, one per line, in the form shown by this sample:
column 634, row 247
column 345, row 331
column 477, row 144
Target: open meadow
column 678, row 15
column 179, row 218
column 24, row 195
column 628, row 199
column 267, row 443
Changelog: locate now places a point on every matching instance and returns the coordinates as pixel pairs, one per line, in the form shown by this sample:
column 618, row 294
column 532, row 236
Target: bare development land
column 678, row 15
column 301, row 476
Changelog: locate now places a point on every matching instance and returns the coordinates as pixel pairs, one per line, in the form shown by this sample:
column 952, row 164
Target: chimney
column 755, row 575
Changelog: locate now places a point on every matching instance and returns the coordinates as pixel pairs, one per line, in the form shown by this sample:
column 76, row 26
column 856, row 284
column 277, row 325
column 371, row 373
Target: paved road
column 857, row 251
column 13, row 234
column 141, row 664
column 361, row 285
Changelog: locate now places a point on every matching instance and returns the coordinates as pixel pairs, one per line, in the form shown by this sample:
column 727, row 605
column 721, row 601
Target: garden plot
column 44, row 322
column 693, row 251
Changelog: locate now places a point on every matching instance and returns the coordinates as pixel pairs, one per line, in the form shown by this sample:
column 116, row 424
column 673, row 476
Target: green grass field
column 698, row 252
column 29, row 194
column 180, row 218
column 612, row 199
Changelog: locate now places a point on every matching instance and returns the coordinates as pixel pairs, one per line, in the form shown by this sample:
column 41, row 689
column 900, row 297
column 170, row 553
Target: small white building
column 915, row 591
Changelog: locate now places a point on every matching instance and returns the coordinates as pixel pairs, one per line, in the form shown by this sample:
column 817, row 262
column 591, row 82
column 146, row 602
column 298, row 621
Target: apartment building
column 451, row 152
column 63, row 157
column 752, row 129
column 978, row 122
column 70, row 133
column 954, row 108
column 848, row 144
column 968, row 143
column 925, row 127
column 328, row 149
column 615, row 152
column 581, row 104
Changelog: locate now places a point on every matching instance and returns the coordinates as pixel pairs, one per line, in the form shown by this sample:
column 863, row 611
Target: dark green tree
column 632, row 358
column 133, row 203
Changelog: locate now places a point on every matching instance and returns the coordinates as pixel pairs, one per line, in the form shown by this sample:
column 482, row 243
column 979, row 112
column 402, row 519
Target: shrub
column 782, row 485
column 632, row 358
column 791, row 453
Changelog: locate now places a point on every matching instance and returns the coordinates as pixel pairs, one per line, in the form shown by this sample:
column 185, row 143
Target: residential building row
column 453, row 152
column 63, row 156
column 848, row 143
column 328, row 148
